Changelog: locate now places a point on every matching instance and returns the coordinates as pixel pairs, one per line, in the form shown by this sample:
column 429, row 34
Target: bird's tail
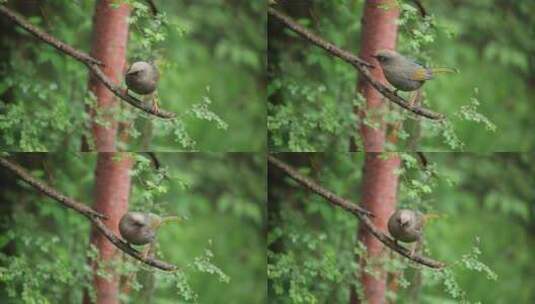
column 444, row 70
column 166, row 219
column 432, row 216
column 171, row 219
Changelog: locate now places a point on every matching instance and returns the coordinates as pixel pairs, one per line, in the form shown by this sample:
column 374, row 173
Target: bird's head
column 385, row 56
column 405, row 217
column 137, row 68
column 137, row 219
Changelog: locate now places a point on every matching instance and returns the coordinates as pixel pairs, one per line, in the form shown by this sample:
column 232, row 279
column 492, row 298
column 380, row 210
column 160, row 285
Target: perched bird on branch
column 406, row 225
column 140, row 228
column 405, row 74
column 142, row 78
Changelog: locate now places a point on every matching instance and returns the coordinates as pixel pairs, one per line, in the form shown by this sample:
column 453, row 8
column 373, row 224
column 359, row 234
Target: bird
column 405, row 74
column 139, row 228
column 142, row 78
column 406, row 225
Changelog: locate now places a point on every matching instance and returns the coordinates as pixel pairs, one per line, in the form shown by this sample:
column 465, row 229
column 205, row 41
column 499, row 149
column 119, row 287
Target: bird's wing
column 421, row 74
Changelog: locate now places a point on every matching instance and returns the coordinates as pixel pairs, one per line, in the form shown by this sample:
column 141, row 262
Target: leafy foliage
column 485, row 237
column 193, row 44
column 312, row 95
column 44, row 247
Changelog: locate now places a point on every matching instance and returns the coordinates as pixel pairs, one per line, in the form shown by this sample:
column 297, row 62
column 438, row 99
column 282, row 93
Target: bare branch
column 310, row 184
column 360, row 64
column 94, row 216
column 322, row 43
column 48, row 191
column 61, row 46
column 362, row 214
column 90, row 62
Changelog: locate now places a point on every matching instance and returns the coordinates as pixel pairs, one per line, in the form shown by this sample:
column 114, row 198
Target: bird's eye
column 138, row 224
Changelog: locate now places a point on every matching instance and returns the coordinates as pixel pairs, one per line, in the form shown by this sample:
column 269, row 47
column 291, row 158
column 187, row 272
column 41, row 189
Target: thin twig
column 421, row 8
column 90, row 62
column 362, row 214
column 155, row 160
column 157, row 165
column 153, row 7
column 360, row 64
column 94, row 216
column 423, row 159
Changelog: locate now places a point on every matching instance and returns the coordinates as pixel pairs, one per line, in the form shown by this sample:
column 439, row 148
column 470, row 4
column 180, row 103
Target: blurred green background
column 484, row 202
column 211, row 55
column 311, row 94
column 43, row 246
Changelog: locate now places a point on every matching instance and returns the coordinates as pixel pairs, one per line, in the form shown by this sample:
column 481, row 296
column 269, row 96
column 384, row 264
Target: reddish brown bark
column 112, row 188
column 379, row 31
column 379, row 189
column 379, row 186
column 110, row 37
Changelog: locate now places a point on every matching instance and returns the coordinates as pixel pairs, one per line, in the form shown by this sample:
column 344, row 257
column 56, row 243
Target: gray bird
column 142, row 77
column 406, row 225
column 139, row 228
column 403, row 73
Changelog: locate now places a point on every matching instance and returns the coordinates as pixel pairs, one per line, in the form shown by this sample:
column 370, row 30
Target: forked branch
column 94, row 216
column 92, row 63
column 360, row 64
column 362, row 214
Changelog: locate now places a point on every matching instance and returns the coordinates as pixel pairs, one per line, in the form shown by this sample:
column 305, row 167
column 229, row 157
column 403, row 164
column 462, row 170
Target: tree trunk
column 379, row 186
column 379, row 31
column 112, row 188
column 379, row 189
column 110, row 37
